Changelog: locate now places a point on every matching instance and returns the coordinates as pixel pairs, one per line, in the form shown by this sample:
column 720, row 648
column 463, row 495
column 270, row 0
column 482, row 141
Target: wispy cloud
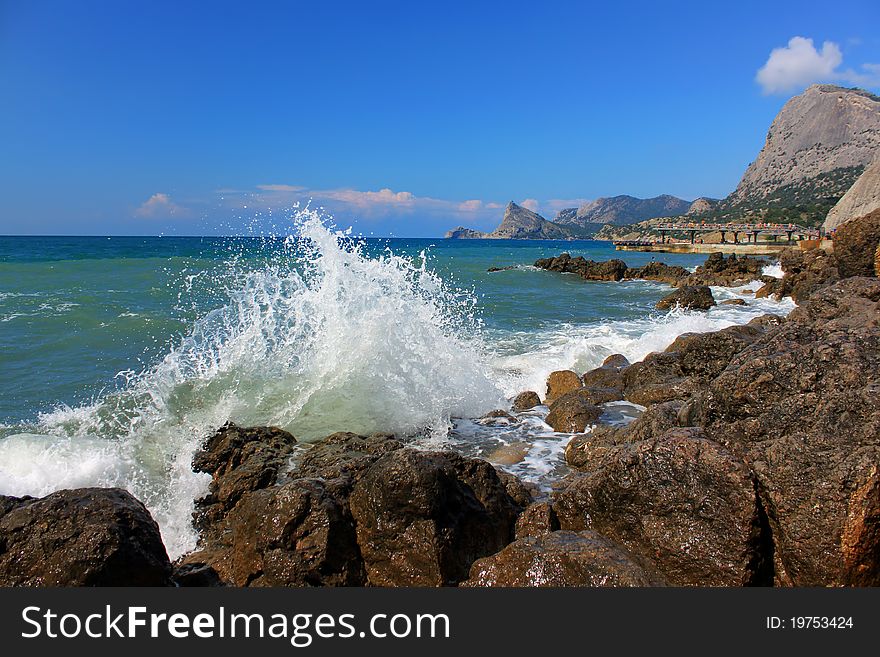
column 800, row 64
column 388, row 203
column 160, row 206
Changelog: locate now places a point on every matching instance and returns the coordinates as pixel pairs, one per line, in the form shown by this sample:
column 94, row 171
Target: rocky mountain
column 862, row 198
column 825, row 130
column 462, row 233
column 622, row 210
column 520, row 223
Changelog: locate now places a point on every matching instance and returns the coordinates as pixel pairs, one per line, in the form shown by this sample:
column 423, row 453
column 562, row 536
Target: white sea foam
column 774, row 270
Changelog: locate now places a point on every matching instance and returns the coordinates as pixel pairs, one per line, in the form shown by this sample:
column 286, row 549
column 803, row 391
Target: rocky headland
column 756, row 461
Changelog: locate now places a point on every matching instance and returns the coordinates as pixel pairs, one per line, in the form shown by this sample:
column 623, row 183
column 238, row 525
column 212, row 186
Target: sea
column 120, row 355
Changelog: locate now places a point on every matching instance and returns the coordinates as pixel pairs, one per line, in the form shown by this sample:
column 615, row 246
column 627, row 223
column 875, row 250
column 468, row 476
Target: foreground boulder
column 692, row 297
column 424, row 517
column 590, row 270
column 82, row 537
column 526, row 400
column 680, row 501
column 800, row 406
column 562, row 558
column 282, row 528
column 728, row 271
column 608, row 375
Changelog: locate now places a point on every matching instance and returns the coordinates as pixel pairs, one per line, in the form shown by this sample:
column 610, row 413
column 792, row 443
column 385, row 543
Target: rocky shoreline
column 755, row 462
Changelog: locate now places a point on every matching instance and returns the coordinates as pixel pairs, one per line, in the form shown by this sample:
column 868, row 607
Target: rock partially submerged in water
column 717, row 270
column 804, row 273
column 560, row 383
column 573, row 412
column 561, row 558
column 692, row 297
column 81, row 537
column 526, row 400
column 352, row 511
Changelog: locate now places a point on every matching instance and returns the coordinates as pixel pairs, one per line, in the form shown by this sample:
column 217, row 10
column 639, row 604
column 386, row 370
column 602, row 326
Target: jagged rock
column 561, row 558
column 855, row 244
column 526, row 400
column 275, row 530
column 240, row 460
column 734, row 302
column 727, row 271
column 680, row 501
column 800, row 406
column 573, row 412
column 590, row 270
column 658, row 271
column 694, row 297
column 559, row 383
column 536, row 520
column 442, row 513
column 804, row 272
column 81, row 537
column 686, row 365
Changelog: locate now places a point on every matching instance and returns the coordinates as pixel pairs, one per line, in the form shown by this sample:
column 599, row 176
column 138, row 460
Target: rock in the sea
column 855, row 243
column 609, row 270
column 693, row 297
column 680, row 501
column 727, row 271
column 526, row 400
column 424, row 517
column 573, row 412
column 658, row 271
column 561, row 558
column 608, row 375
column 734, row 302
column 81, row 537
column 800, row 406
column 559, row 383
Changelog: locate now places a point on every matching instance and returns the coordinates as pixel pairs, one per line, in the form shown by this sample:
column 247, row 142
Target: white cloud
column 800, row 64
column 160, row 205
column 280, row 188
column 530, row 204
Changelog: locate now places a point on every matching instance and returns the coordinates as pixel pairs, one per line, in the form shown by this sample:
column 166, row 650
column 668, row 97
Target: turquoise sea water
column 119, row 355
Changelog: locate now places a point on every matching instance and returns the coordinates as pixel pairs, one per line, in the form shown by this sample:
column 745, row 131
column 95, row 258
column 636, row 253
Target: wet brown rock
column 734, row 302
column 855, row 244
column 81, row 537
column 573, row 412
column 728, row 271
column 608, row 375
column 240, row 460
column 561, row 558
column 680, row 501
column 424, row 517
column 526, row 400
column 686, row 365
column 660, row 272
column 800, row 406
column 693, row 297
column 560, row 383
column 536, row 520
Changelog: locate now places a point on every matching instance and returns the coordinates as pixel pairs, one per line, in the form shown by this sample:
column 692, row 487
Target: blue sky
column 403, row 118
